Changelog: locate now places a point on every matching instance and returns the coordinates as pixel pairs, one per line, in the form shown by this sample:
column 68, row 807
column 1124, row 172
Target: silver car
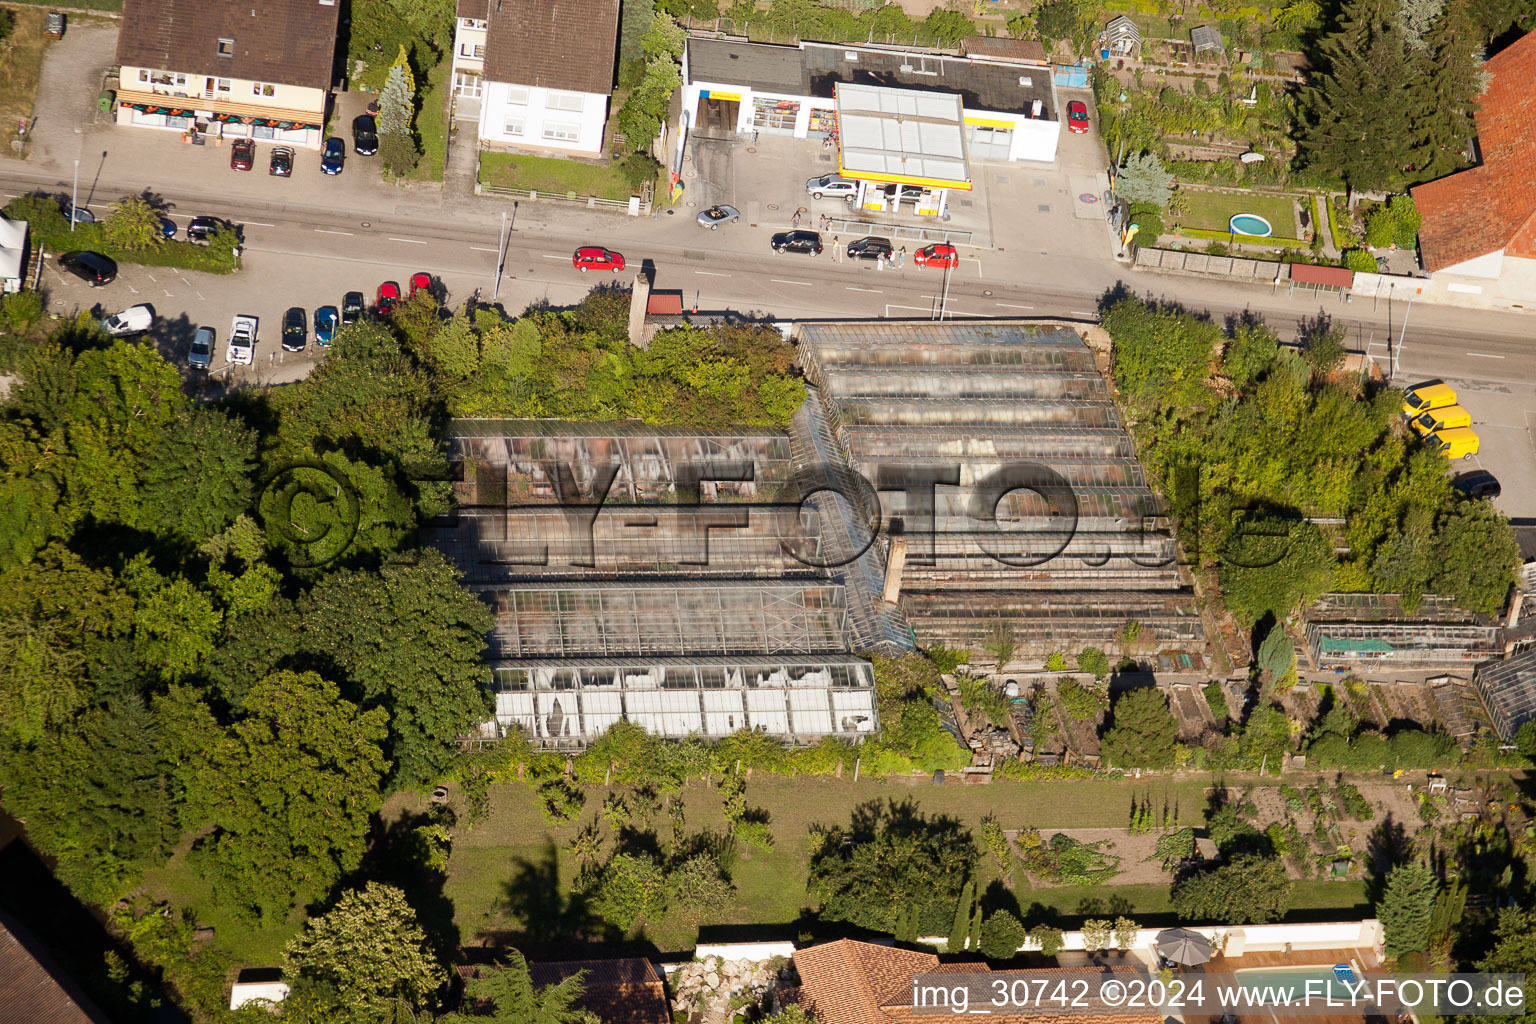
column 716, row 215
column 200, row 355
column 831, row 185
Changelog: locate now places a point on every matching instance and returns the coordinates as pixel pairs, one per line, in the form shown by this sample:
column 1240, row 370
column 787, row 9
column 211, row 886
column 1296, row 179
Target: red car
column 595, row 257
column 1077, row 117
column 937, row 255
column 421, row 282
column 242, row 154
column 389, row 297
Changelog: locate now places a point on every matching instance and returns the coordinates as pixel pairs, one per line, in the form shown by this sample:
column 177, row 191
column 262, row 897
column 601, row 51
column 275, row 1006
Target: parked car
column 91, row 267
column 133, row 321
column 1443, row 418
column 595, row 257
column 808, row 242
column 1456, row 443
column 242, row 340
column 421, row 281
column 295, row 329
column 940, row 254
column 1478, row 484
column 325, row 325
column 716, row 215
column 365, row 135
column 388, row 297
column 1077, row 117
column 282, row 162
column 831, row 185
column 199, row 229
column 352, row 305
column 870, row 247
column 334, row 156
column 78, row 214
column 242, row 155
column 1431, row 394
column 200, row 355
column 168, row 228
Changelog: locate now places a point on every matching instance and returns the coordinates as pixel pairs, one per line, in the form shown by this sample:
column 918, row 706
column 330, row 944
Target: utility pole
column 501, row 255
column 74, row 196
column 1397, row 353
column 944, row 300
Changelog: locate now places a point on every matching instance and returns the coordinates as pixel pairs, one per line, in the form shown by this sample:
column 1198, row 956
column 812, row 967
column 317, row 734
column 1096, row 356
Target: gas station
column 901, row 146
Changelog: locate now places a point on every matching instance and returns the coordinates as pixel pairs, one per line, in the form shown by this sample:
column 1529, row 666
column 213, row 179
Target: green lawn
column 551, row 174
column 432, row 123
column 250, row 945
column 21, row 65
column 1213, row 211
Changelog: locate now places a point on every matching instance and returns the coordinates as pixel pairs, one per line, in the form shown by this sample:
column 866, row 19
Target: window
column 517, row 96
column 263, row 89
column 514, row 124
column 475, row 50
column 565, row 101
column 467, row 86
column 562, row 131
column 473, row 23
column 226, row 47
column 223, row 85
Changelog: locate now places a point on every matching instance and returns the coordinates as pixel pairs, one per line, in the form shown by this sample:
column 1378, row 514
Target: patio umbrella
column 1183, row 946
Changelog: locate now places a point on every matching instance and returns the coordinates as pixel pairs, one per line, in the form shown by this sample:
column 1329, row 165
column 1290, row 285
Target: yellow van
column 1436, row 420
column 1456, row 443
column 1432, row 394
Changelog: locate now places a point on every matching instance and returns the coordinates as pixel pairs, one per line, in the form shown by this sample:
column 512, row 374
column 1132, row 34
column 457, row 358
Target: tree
column 289, row 790
column 1251, row 889
column 1270, row 566
column 1445, row 93
column 1477, row 557
column 175, row 623
column 407, row 638
column 1144, row 179
column 634, row 23
column 1144, row 733
column 1277, row 656
column 1407, row 901
column 1056, row 20
column 1352, row 109
column 697, row 885
column 630, row 887
column 1002, row 936
column 505, row 994
column 397, row 100
column 1525, row 739
column 904, row 862
column 371, row 953
column 133, row 225
column 197, row 477
column 1514, row 952
column 962, row 920
column 1094, row 661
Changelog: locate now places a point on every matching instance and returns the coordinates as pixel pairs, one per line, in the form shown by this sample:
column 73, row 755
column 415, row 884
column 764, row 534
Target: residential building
column 1478, row 235
column 33, row 987
column 536, row 74
column 238, row 70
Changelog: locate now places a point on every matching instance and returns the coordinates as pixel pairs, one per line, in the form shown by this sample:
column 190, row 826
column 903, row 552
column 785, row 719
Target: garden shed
column 1207, row 42
column 1122, row 37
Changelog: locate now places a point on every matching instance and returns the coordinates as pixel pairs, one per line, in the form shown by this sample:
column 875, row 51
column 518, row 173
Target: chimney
column 895, row 563
column 639, row 299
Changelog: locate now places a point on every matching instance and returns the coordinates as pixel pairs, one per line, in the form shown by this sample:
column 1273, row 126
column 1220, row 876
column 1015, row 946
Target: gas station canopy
column 902, row 136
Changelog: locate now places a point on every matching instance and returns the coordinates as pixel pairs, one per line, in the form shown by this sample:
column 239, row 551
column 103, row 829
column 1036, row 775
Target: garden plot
column 1322, row 819
column 1193, row 713
column 1128, row 854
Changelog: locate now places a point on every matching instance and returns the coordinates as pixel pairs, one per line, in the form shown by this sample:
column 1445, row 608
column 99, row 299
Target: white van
column 130, row 322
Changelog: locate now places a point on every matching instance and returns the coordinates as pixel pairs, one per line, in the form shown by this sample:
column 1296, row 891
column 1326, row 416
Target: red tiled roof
column 1338, row 277
column 553, row 44
column 1491, row 206
column 849, row 982
column 626, row 990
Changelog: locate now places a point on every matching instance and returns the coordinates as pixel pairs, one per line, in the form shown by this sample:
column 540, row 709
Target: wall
column 1250, row 938
column 536, row 117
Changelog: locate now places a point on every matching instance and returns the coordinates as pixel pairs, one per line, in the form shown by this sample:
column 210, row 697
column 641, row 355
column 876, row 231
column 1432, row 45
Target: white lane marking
column 168, row 293
column 133, row 289
column 780, row 280
column 1483, row 355
column 481, row 248
column 1014, row 305
column 710, row 273
column 328, row 231
column 413, row 241
column 948, row 313
column 152, row 277
column 974, row 260
column 1083, row 312
column 851, row 288
column 256, row 224
column 200, row 297
column 547, row 256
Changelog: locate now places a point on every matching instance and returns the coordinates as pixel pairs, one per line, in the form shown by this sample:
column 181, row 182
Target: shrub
column 398, row 152
column 995, row 841
column 1216, row 699
column 1057, row 662
column 1355, row 805
column 639, row 168
column 1002, row 936
column 1081, row 703
column 1360, row 261
column 1050, row 940
column 1094, row 661
column 978, row 695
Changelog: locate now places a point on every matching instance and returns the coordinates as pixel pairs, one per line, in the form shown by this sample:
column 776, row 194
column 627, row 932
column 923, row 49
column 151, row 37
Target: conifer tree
column 962, row 923
column 1446, row 94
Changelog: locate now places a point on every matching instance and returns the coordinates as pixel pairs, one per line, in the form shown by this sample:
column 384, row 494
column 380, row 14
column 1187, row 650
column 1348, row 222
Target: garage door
column 985, row 143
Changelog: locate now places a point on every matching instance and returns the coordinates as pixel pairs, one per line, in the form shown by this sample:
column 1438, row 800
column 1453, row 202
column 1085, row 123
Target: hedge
column 1370, row 751
column 50, row 229
column 1227, row 236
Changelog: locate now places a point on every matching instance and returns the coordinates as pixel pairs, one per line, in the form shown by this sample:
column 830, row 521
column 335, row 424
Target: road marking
column 974, row 260
column 168, row 293
column 328, row 231
column 413, row 241
column 948, row 313
column 133, row 289
column 199, row 295
column 1483, row 355
column 481, row 248
column 1014, row 305
column 780, row 280
column 547, row 256
column 851, row 288
column 256, row 224
column 1083, row 312
column 152, row 277
column 710, row 273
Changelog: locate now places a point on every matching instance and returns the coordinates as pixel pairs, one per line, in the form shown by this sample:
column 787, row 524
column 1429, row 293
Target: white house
column 244, row 70
column 540, row 72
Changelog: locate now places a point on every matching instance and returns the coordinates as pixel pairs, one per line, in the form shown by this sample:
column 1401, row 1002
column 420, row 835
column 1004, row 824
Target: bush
column 1216, row 699
column 1081, row 703
column 1093, row 660
column 398, row 152
column 1149, row 228
column 1002, row 936
column 1050, row 940
column 979, row 696
column 639, row 168
column 1355, row 805
column 1360, row 261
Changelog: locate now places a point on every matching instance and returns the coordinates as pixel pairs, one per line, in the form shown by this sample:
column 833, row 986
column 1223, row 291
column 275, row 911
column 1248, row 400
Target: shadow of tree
column 398, row 855
column 548, row 917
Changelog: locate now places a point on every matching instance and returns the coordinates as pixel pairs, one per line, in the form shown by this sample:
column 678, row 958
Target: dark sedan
column 200, row 229
column 352, row 307
column 282, row 162
column 295, row 329
column 334, row 156
column 91, row 267
column 808, row 242
column 870, row 247
column 365, row 135
column 242, row 155
column 1478, row 484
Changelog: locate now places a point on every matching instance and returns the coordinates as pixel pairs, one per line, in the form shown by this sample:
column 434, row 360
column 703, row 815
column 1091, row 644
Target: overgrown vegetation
column 129, row 234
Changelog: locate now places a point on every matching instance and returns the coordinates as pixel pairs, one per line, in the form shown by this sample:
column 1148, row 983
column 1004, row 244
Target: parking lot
column 1502, row 415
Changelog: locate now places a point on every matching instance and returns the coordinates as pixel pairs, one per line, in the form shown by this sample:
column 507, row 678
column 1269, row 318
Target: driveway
column 66, row 94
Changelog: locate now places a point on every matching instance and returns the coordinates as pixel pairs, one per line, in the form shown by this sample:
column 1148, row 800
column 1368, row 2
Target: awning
column 1334, row 277
column 223, row 110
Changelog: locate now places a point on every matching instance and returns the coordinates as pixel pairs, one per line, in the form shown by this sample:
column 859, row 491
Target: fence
column 899, row 232
column 638, row 206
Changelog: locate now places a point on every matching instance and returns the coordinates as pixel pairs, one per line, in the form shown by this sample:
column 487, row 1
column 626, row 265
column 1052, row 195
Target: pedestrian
column 880, row 261
column 794, row 221
column 901, row 256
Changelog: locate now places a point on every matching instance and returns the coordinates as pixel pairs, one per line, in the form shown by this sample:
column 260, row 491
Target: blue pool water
column 1250, row 224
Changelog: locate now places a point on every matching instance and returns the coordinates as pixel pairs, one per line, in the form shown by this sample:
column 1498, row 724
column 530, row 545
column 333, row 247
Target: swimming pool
column 1250, row 224
column 1290, row 983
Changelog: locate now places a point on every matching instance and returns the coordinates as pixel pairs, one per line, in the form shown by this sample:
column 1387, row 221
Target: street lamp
column 74, row 196
column 1397, row 353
